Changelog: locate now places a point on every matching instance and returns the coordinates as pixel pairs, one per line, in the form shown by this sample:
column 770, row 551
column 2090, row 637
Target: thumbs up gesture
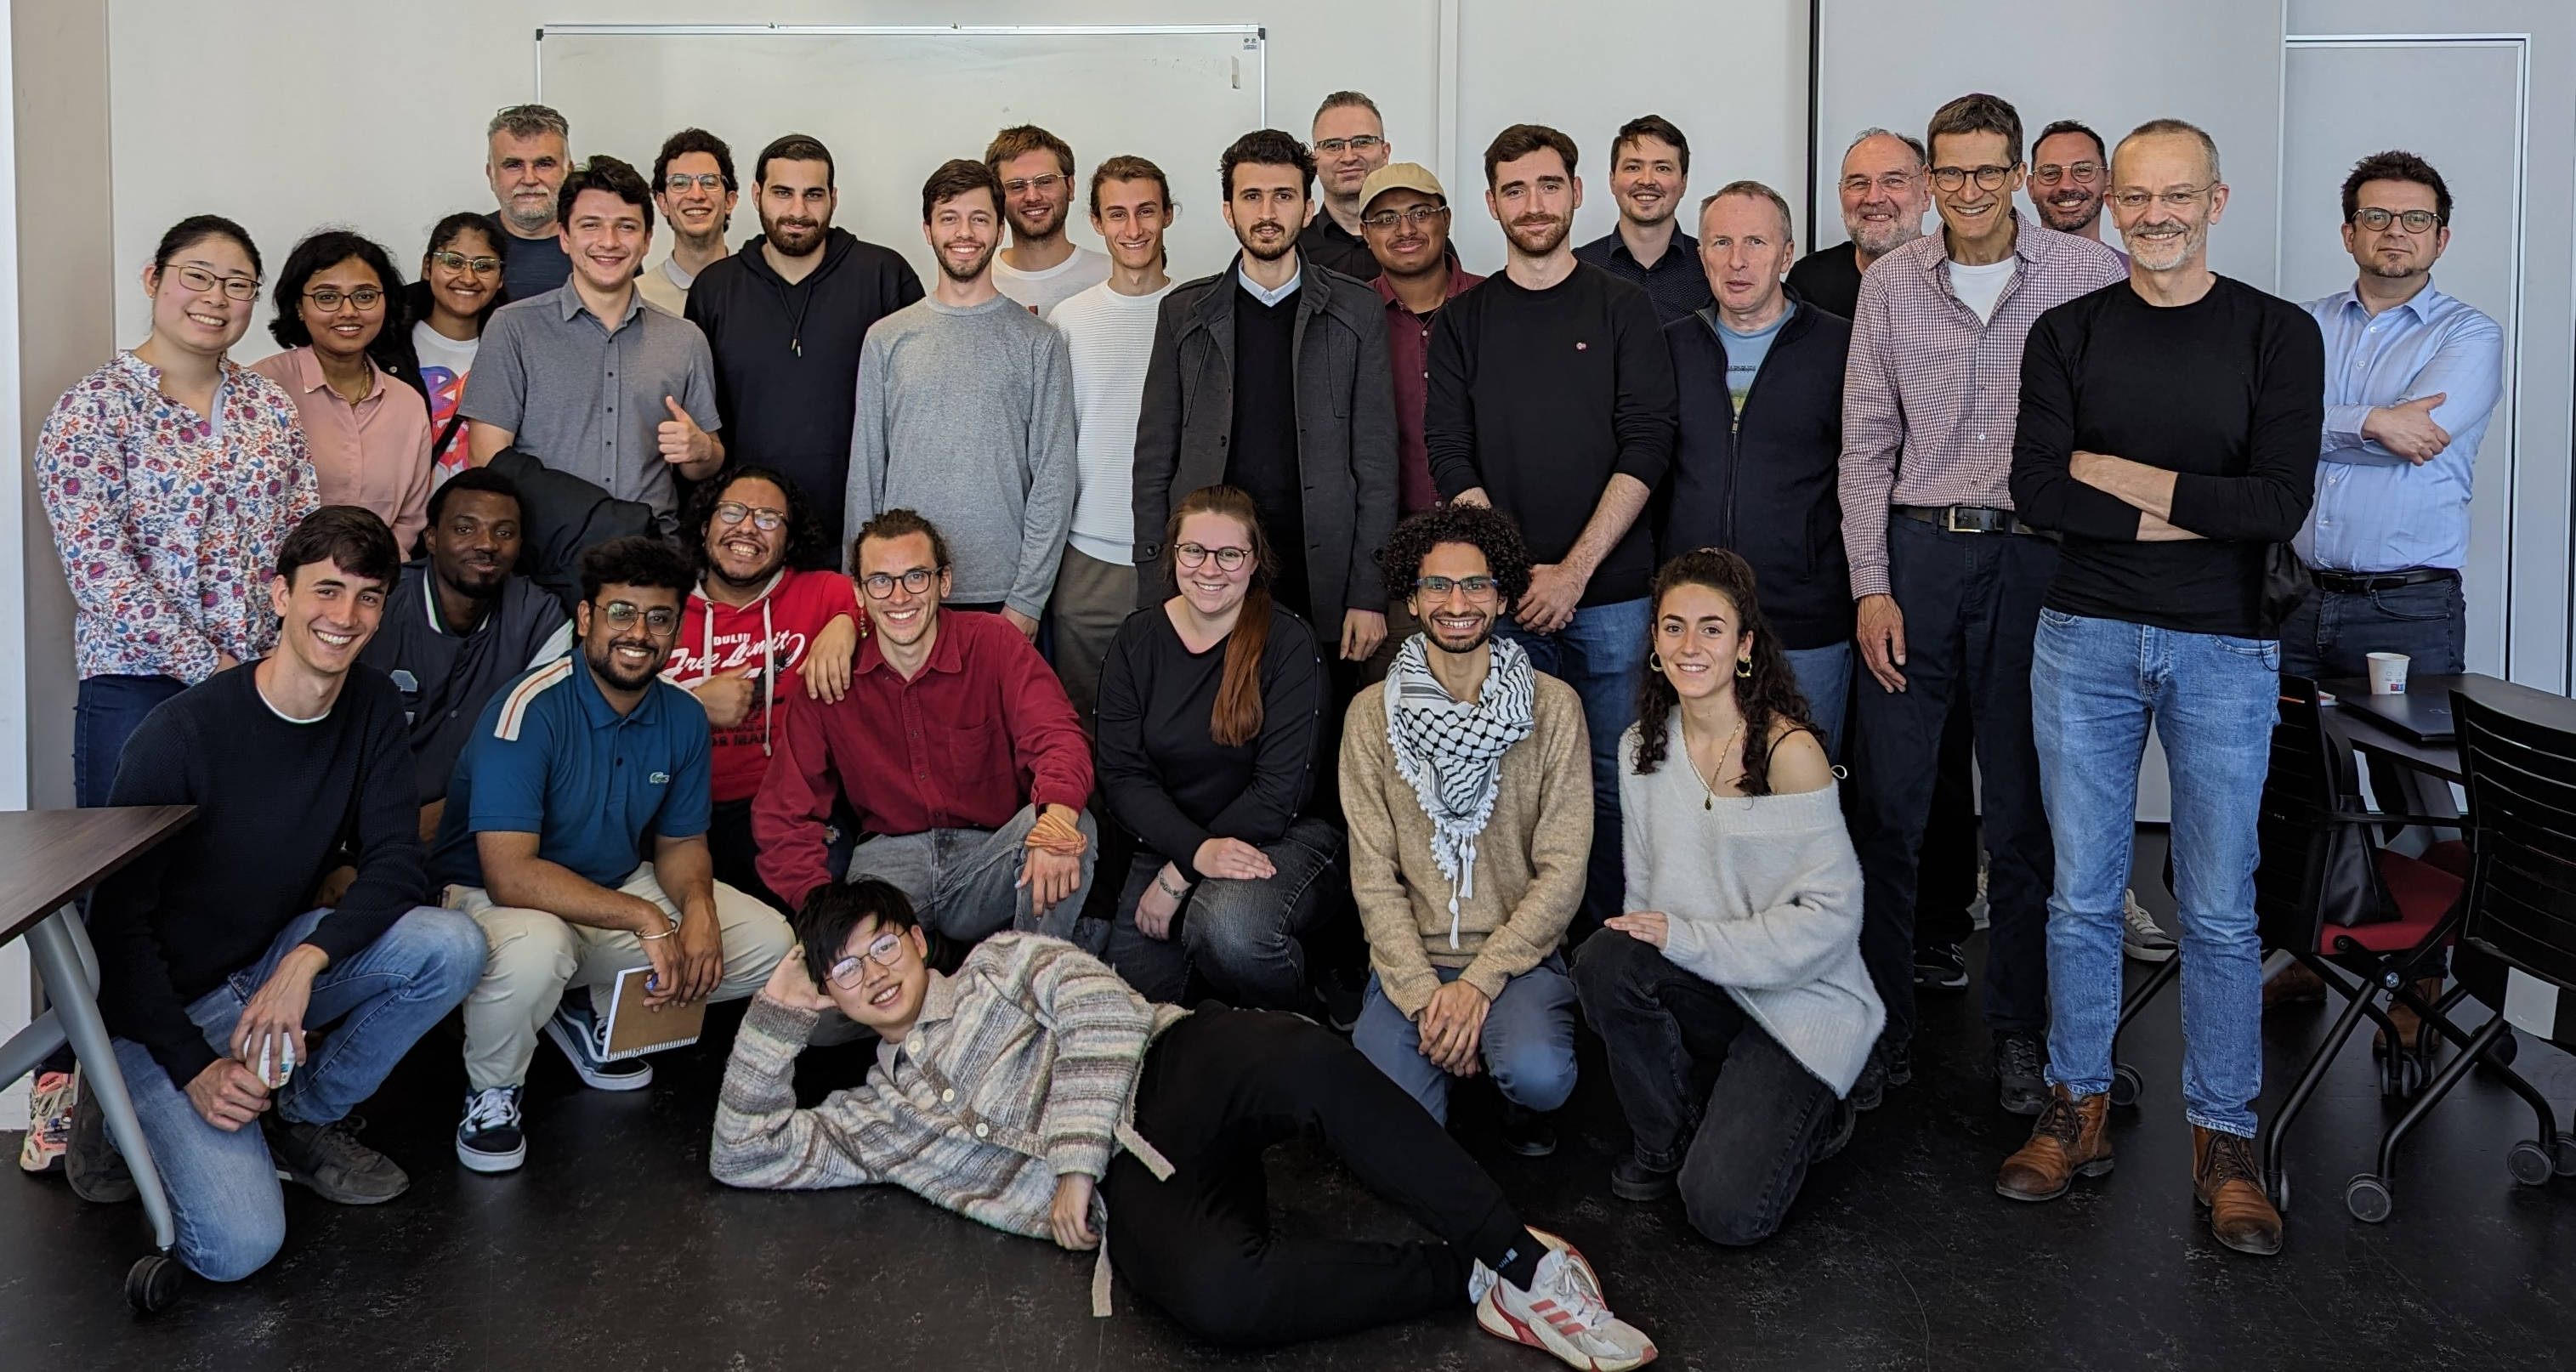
column 683, row 443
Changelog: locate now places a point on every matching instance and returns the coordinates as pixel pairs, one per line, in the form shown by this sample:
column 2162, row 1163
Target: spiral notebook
column 635, row 1028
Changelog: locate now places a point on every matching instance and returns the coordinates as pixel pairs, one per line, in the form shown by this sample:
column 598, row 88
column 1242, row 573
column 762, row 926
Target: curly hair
column 1487, row 530
column 1767, row 696
column 803, row 547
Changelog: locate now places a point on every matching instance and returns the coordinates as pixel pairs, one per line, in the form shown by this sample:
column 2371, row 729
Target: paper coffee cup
column 2387, row 674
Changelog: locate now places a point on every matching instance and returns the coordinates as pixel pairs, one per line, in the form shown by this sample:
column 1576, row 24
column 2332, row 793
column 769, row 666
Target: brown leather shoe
column 2410, row 1026
column 2225, row 1177
column 2294, row 984
column 2070, row 1139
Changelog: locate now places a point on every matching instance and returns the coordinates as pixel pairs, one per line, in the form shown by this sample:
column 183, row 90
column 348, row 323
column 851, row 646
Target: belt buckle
column 1950, row 521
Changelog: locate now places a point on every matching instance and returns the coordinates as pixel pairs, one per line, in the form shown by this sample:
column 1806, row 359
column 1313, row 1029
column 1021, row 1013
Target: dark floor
column 613, row 1250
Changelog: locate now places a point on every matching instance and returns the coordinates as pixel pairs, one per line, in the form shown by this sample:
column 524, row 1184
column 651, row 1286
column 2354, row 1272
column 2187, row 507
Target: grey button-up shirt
column 587, row 400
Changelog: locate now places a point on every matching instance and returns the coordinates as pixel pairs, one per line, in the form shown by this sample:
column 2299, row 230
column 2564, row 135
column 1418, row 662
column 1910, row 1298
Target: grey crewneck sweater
column 966, row 415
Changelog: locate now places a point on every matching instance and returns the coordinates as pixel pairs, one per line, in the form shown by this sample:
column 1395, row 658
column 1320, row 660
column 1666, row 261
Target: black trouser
column 736, row 856
column 1705, row 1087
column 1945, row 882
column 1971, row 605
column 1215, row 1092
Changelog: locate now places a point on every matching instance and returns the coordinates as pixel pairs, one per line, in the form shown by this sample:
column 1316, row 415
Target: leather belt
column 1968, row 519
column 2362, row 583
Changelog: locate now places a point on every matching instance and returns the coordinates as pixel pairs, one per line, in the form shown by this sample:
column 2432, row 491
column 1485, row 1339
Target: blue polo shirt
column 551, row 757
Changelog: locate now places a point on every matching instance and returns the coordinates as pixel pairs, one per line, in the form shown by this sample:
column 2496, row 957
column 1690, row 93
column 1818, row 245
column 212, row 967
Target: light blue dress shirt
column 2376, row 511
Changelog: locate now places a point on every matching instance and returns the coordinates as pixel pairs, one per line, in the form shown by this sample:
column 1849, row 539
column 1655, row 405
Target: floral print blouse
column 169, row 525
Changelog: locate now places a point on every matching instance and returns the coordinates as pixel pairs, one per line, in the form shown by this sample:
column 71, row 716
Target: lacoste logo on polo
column 658, row 779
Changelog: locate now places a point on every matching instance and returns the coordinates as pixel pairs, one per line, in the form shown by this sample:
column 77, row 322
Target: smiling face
column 1342, row 172
column 625, row 657
column 325, row 615
column 1534, row 198
column 1699, row 640
column 475, row 542
column 1415, row 240
column 190, row 307
column 1646, row 179
column 525, row 174
column 883, row 997
column 1266, row 208
column 343, row 331
column 1883, row 194
column 796, row 205
column 1131, row 220
column 605, row 237
column 1457, row 620
column 2067, row 179
column 2395, row 252
column 1035, row 189
column 1744, row 246
column 696, row 213
column 464, row 288
column 902, row 614
column 744, row 553
column 1210, row 589
column 1974, row 212
column 964, row 232
column 2165, row 237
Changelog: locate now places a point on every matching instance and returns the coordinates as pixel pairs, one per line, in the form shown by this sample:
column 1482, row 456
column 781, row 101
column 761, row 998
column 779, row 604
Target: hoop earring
column 1744, row 669
column 1654, row 661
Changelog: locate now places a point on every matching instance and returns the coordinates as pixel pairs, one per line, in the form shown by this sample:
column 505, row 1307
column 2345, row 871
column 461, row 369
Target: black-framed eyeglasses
column 1025, row 184
column 885, row 950
column 1418, row 217
column 329, row 297
column 2376, row 219
column 1361, row 143
column 1988, row 177
column 761, row 517
column 459, row 262
column 2173, row 200
column 200, row 280
column 678, row 183
column 1477, row 589
column 660, row 620
column 1894, row 183
column 1193, row 556
column 2081, row 173
column 880, row 585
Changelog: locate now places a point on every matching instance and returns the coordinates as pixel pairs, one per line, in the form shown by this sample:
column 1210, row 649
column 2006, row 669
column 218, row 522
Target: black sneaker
column 90, row 1161
column 489, row 1138
column 1869, row 1090
column 1526, row 1131
column 328, row 1160
column 1940, row 967
column 1846, row 1121
column 1631, row 1180
column 2019, row 1062
column 576, row 1031
column 1900, row 1063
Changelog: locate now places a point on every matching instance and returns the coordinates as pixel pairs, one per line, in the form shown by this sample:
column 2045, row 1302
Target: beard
column 949, row 268
column 1483, row 635
column 1024, row 225
column 794, row 236
column 1880, row 239
column 2069, row 218
column 1283, row 245
column 2163, row 252
column 1537, row 235
column 529, row 217
column 603, row 661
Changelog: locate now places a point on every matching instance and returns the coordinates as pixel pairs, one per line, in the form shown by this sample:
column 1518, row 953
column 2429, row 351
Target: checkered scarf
column 1451, row 751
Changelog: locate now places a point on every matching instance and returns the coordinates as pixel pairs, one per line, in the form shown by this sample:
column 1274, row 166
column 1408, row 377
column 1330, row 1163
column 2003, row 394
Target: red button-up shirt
column 1408, row 348
column 982, row 730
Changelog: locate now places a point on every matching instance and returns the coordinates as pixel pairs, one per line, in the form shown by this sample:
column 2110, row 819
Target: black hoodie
column 787, row 357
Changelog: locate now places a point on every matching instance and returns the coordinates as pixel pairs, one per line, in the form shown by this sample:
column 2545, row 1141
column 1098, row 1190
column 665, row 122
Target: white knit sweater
column 1764, row 895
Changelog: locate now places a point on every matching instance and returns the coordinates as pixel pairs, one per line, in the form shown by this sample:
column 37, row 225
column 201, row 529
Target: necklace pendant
column 1708, row 803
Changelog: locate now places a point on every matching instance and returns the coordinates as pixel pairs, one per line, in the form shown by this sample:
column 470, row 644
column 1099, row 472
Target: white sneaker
column 1562, row 1312
column 2141, row 937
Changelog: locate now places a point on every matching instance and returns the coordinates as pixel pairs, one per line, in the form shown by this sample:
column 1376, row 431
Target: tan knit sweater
column 1529, row 861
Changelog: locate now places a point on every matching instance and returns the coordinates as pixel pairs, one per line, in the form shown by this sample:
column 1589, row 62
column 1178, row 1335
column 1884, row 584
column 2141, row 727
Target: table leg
column 63, row 958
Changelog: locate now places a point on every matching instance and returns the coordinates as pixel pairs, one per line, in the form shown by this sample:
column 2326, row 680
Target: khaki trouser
column 1092, row 598
column 533, row 956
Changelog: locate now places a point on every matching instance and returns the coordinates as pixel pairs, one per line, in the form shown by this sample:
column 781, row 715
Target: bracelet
column 648, row 938
column 1181, row 894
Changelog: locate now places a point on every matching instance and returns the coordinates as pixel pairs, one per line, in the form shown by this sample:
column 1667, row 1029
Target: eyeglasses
column 199, row 280
column 880, row 585
column 679, row 182
column 763, row 519
column 1044, row 184
column 1894, row 183
column 885, row 950
column 1193, row 556
column 1419, row 217
column 1478, row 589
column 1988, row 178
column 2173, row 200
column 2376, row 219
column 459, row 262
column 2081, row 173
column 658, row 620
column 1360, row 143
column 329, row 297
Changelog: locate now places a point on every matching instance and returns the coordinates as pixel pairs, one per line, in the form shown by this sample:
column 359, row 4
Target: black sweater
column 1165, row 778
column 787, row 358
column 2228, row 391
column 274, row 800
column 1541, row 397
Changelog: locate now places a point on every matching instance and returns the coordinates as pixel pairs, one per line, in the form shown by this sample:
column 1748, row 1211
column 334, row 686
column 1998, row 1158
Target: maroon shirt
column 1408, row 348
column 983, row 730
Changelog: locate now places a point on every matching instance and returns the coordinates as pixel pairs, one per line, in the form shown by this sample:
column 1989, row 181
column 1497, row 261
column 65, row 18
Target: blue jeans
column 1602, row 655
column 2332, row 633
column 223, row 1188
column 2096, row 684
column 107, row 712
column 1528, row 1042
column 1824, row 678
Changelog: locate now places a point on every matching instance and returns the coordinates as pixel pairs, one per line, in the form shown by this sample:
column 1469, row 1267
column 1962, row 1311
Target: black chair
column 2517, row 948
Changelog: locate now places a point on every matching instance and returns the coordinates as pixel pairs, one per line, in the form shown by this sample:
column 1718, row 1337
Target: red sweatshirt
column 983, row 730
column 770, row 636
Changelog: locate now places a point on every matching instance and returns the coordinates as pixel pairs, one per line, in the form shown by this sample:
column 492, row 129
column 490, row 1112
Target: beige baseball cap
column 1400, row 176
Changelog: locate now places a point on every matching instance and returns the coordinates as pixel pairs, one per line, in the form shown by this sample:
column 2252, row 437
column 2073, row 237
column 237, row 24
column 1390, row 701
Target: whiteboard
column 892, row 103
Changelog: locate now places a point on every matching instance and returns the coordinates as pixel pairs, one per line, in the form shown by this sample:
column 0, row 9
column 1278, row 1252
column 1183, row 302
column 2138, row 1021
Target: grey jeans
column 964, row 883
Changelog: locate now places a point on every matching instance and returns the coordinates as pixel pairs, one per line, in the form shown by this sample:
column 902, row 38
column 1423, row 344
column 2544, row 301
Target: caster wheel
column 2279, row 1190
column 2529, row 1163
column 2402, row 1075
column 2562, row 1155
column 2368, row 1199
column 2126, row 1085
column 152, row 1284
column 2502, row 1052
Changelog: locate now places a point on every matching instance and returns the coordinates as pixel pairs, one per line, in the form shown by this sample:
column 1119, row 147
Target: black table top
column 49, row 856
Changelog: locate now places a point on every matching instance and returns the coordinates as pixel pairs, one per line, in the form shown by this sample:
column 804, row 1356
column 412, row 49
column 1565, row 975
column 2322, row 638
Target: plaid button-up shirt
column 1930, row 393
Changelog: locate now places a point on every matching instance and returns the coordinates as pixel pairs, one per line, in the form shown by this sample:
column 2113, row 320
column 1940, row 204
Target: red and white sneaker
column 1562, row 1312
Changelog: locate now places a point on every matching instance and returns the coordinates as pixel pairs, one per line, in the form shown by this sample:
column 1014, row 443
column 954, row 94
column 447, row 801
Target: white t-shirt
column 1980, row 288
column 1043, row 291
column 444, row 363
column 1111, row 337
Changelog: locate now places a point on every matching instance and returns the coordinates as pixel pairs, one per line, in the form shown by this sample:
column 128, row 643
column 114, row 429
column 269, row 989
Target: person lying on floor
column 1036, row 1092
column 1732, row 996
